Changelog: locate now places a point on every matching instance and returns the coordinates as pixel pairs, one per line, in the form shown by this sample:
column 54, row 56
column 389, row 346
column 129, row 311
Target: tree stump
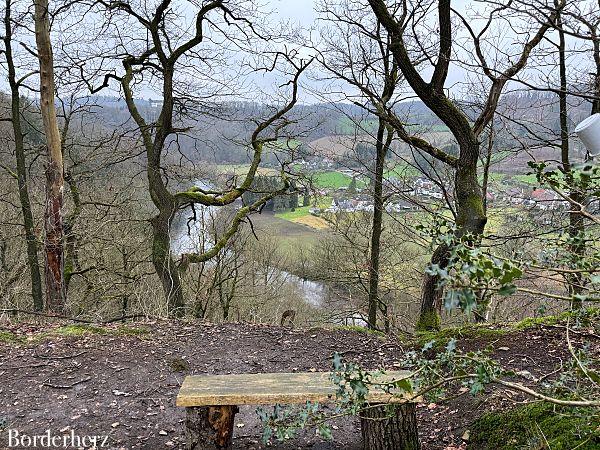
column 209, row 427
column 390, row 427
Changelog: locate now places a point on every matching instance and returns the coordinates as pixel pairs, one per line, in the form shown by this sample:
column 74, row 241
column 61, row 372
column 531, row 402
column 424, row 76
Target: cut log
column 209, row 427
column 390, row 427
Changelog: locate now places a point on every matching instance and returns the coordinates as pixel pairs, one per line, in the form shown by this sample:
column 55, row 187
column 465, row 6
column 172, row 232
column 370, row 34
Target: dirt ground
column 124, row 384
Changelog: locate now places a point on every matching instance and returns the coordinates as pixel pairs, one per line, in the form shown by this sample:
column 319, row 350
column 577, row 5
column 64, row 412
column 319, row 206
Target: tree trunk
column 209, row 427
column 431, row 299
column 71, row 242
column 576, row 229
column 28, row 221
column 385, row 429
column 55, row 289
column 377, row 227
column 470, row 221
column 165, row 266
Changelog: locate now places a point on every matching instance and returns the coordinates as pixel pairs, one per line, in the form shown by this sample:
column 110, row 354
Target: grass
column 81, row 330
column 537, row 426
column 438, row 128
column 402, row 170
column 530, row 179
column 296, row 214
column 348, row 126
column 303, row 216
column 6, row 337
column 286, row 235
column 332, row 180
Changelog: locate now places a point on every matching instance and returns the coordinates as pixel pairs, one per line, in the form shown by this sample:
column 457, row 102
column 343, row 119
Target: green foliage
column 80, row 330
column 474, row 370
column 537, row 426
column 584, row 177
column 6, row 337
column 430, row 320
column 353, row 385
column 471, row 275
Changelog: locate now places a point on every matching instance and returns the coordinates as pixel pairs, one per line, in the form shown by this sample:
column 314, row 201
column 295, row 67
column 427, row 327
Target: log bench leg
column 385, row 429
column 209, row 427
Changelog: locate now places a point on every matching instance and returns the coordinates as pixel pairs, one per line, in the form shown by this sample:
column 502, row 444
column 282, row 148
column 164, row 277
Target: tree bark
column 54, row 270
column 164, row 264
column 383, row 429
column 576, row 228
column 28, row 220
column 209, row 427
column 377, row 225
column 431, row 294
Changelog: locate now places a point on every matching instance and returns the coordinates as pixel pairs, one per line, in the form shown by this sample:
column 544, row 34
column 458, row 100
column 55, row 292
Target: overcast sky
column 301, row 11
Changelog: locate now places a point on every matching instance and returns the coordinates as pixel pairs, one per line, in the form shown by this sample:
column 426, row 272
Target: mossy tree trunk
column 468, row 195
column 160, row 60
column 21, row 175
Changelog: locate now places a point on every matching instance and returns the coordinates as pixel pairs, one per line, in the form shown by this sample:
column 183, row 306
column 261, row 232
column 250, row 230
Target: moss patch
column 179, row 365
column 537, row 426
column 6, row 337
column 358, row 329
column 442, row 337
column 584, row 316
column 80, row 330
column 429, row 321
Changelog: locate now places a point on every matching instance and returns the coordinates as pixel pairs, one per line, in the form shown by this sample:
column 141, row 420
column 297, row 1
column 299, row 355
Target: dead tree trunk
column 55, row 288
column 209, row 427
column 390, row 427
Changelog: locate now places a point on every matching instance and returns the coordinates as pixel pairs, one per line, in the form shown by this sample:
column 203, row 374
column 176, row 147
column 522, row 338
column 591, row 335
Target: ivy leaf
column 451, row 346
column 325, row 431
column 405, row 385
column 507, row 289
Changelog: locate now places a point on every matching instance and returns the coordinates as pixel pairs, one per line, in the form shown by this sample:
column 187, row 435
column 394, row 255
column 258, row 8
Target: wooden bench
column 211, row 402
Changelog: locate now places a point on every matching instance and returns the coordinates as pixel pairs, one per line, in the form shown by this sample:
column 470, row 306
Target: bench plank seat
column 271, row 388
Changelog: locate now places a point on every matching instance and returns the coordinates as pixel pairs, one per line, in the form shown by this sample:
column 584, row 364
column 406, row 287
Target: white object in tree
column 588, row 131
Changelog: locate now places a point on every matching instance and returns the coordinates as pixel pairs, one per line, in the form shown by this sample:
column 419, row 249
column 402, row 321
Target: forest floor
column 122, row 381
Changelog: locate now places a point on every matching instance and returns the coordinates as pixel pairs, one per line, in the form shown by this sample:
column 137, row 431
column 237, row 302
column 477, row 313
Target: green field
column 349, row 126
column 286, row 236
column 301, row 211
column 402, row 170
column 296, row 214
column 526, row 179
column 335, row 180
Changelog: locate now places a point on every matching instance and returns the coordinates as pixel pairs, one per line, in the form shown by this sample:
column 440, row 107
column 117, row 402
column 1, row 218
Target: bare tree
column 15, row 83
column 399, row 20
column 356, row 50
column 54, row 267
column 162, row 60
